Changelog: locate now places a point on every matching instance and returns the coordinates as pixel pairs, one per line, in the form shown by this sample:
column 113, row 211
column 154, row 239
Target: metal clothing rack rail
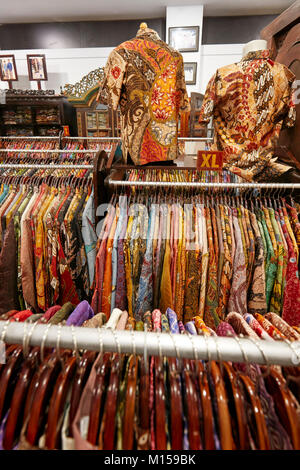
column 235, row 349
column 54, row 166
column 46, row 151
column 179, row 184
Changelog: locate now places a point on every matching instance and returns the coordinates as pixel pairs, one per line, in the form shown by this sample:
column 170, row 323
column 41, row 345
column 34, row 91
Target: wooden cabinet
column 283, row 36
column 94, row 119
column 36, row 113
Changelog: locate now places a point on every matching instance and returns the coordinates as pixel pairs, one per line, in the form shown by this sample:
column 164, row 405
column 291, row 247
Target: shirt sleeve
column 114, row 72
column 209, row 101
column 286, row 111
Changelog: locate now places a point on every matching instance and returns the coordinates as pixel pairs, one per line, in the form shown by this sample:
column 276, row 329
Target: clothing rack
column 175, row 184
column 235, row 349
column 46, row 151
column 46, row 167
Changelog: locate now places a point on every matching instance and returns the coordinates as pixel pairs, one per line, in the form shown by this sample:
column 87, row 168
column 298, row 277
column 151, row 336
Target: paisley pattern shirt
column 145, row 77
column 249, row 102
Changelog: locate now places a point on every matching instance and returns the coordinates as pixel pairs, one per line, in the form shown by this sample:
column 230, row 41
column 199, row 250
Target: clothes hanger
column 46, row 379
column 205, row 397
column 17, row 407
column 236, row 407
column 224, row 422
column 8, row 379
column 192, row 406
column 176, row 407
column 81, row 376
column 130, row 403
column 98, row 400
column 160, row 404
column 284, row 405
column 111, row 403
column 57, row 402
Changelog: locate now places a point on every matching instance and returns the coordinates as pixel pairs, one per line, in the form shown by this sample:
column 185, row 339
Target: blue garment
column 144, row 300
column 82, row 312
column 173, row 321
column 114, row 253
column 89, row 235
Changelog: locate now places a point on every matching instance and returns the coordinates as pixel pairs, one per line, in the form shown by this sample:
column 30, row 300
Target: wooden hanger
column 224, row 421
column 8, row 379
column 17, row 407
column 236, row 407
column 111, row 403
column 144, row 396
column 43, row 390
column 176, row 408
column 82, row 373
column 206, row 402
column 57, row 403
column 129, row 411
column 284, row 405
column 160, row 404
column 192, row 406
column 98, row 399
column 257, row 420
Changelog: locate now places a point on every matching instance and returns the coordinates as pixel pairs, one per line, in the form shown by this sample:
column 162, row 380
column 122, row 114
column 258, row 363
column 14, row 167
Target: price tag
column 212, row 161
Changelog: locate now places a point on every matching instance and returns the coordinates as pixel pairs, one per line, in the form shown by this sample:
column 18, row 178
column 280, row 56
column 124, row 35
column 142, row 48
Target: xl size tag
column 208, row 160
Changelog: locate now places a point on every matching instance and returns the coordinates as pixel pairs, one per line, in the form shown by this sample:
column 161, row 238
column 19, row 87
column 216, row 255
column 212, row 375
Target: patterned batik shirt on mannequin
column 249, row 101
column 145, row 77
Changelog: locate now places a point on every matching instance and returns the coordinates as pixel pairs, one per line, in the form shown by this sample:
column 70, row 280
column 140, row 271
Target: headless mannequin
column 256, row 45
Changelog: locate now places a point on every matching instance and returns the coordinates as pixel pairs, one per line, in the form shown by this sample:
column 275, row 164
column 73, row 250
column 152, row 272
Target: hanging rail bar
column 47, row 151
column 282, row 353
column 54, row 166
column 179, row 184
column 29, row 137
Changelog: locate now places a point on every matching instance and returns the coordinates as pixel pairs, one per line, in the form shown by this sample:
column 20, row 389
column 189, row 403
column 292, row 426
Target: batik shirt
column 146, row 78
column 249, row 101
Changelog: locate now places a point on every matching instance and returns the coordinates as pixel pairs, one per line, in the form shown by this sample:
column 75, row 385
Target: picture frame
column 8, row 69
column 37, row 70
column 190, row 72
column 184, row 38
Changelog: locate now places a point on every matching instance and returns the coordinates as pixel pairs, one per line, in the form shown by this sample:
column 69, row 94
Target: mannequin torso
column 256, row 45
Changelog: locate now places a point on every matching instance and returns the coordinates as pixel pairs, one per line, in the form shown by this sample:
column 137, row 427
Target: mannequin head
column 256, row 45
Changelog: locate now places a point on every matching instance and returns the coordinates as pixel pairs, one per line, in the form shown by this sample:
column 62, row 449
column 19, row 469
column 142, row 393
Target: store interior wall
column 68, row 60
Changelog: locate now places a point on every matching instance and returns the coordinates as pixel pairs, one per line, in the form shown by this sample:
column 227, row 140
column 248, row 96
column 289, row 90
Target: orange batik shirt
column 145, row 77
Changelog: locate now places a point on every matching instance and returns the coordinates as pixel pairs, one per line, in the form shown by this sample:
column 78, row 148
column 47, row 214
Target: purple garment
column 190, row 327
column 82, row 312
column 173, row 321
column 225, row 329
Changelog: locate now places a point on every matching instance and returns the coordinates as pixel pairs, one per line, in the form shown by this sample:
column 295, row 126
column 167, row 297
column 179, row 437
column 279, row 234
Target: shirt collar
column 147, row 32
column 254, row 55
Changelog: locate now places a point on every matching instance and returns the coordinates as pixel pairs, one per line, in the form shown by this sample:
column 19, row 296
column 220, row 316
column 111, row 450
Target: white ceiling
column 27, row 11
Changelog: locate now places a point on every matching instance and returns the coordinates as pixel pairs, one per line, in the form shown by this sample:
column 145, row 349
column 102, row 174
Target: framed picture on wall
column 37, row 67
column 8, row 69
column 190, row 72
column 185, row 38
